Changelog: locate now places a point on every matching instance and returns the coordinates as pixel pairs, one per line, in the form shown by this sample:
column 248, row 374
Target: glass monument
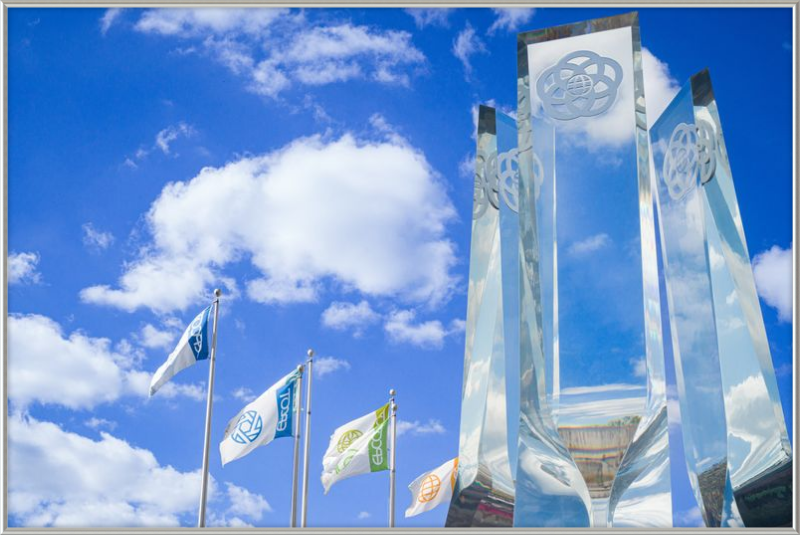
column 737, row 448
column 583, row 147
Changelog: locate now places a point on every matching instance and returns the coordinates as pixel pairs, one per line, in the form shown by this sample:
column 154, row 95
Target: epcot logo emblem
column 247, row 428
column 691, row 149
column 581, row 84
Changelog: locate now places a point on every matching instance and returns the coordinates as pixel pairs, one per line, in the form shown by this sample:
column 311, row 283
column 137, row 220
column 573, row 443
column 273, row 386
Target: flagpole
column 304, row 511
column 201, row 521
column 297, row 411
column 393, row 408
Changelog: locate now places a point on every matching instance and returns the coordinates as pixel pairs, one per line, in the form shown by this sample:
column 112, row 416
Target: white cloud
column 363, row 515
column 400, row 327
column 599, row 411
column 78, row 372
column 691, row 518
column 272, row 49
column 97, row 423
column 96, row 240
column 204, row 21
column 590, row 244
column 22, row 268
column 466, row 167
column 600, row 389
column 244, row 394
column 246, row 503
column 467, row 44
column 432, row 16
column 153, row 337
column 108, row 19
column 639, row 367
column 327, row 365
column 58, row 478
column 432, row 427
column 772, row 270
column 166, row 136
column 659, row 85
column 342, row 316
column 511, row 19
column 283, row 211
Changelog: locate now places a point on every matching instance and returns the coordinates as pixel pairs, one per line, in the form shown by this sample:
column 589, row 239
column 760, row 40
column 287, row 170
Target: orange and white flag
column 432, row 488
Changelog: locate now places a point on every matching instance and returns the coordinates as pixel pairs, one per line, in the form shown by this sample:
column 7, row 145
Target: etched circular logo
column 706, row 150
column 581, row 84
column 247, row 428
column 681, row 161
column 429, row 488
column 486, row 190
column 508, row 178
column 347, row 439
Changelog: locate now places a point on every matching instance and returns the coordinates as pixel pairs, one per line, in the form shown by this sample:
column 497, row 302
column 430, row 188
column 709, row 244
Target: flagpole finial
column 217, row 292
column 310, row 353
column 392, row 392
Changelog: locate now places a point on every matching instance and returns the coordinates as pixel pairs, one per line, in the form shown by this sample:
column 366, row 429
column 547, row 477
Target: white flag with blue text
column 270, row 416
column 194, row 345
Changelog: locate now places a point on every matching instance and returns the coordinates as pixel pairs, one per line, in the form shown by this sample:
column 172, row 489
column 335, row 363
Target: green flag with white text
column 357, row 447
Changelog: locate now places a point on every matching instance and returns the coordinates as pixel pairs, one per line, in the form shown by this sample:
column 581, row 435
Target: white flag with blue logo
column 194, row 345
column 270, row 416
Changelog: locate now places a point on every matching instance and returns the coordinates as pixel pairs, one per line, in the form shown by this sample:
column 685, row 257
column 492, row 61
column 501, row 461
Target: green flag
column 357, row 447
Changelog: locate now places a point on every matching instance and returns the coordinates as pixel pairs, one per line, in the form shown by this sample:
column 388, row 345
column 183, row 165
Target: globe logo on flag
column 247, row 428
column 581, row 84
column 429, row 488
column 347, row 439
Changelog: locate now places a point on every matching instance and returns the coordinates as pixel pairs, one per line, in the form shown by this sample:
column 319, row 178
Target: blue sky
column 315, row 164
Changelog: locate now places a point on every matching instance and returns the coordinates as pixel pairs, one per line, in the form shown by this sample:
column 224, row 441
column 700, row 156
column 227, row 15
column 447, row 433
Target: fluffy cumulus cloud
column 343, row 316
column 284, row 214
column 772, row 270
column 467, row 44
column 58, row 478
column 401, row 326
column 272, row 49
column 432, row 427
column 75, row 371
column 511, row 19
column 22, row 268
column 109, row 18
column 326, row 365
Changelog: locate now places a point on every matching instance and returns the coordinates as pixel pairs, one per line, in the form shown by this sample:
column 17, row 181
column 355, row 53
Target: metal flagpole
column 297, row 411
column 393, row 408
column 304, row 511
column 201, row 521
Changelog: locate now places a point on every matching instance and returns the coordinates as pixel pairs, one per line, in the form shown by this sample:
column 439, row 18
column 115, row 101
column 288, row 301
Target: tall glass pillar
column 484, row 493
column 737, row 449
column 598, row 389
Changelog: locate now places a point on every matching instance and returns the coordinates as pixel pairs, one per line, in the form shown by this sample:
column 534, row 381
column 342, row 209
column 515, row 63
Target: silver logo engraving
column 581, row 84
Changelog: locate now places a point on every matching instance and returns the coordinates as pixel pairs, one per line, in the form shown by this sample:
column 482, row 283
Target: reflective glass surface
column 484, row 494
column 715, row 310
column 582, row 113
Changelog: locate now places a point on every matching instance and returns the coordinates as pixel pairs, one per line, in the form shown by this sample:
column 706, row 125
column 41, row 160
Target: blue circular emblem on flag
column 247, row 428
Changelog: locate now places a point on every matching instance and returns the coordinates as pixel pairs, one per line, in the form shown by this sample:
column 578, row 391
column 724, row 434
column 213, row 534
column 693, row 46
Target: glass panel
column 694, row 165
column 582, row 113
column 484, row 494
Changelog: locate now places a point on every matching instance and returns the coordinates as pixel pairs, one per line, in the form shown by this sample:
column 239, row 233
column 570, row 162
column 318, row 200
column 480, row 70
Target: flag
column 432, row 488
column 270, row 416
column 193, row 346
column 357, row 447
